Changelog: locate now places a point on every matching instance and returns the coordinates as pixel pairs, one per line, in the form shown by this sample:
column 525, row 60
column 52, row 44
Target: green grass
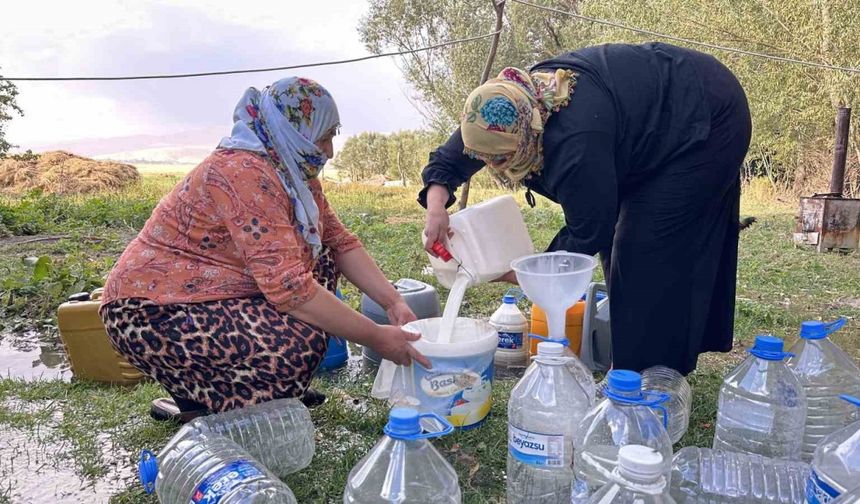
column 778, row 286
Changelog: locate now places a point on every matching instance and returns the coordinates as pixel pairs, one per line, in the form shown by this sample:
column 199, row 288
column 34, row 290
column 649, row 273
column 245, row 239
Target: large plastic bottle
column 583, row 375
column 279, row 433
column 513, row 328
column 703, row 475
column 626, row 416
column 825, row 372
column 403, row 467
column 762, row 407
column 544, row 412
column 205, row 467
column 638, row 479
column 852, row 497
column 673, row 383
column 836, row 464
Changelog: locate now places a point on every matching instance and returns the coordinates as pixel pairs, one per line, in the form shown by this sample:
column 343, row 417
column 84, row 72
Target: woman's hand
column 392, row 343
column 509, row 277
column 436, row 224
column 400, row 313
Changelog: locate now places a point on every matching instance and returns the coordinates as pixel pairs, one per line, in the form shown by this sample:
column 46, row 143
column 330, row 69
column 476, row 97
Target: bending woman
column 642, row 148
column 226, row 295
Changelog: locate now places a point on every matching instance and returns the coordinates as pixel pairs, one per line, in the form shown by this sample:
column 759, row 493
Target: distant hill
column 161, row 155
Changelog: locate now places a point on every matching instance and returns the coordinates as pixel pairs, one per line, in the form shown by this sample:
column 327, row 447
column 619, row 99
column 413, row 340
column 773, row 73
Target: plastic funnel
column 555, row 281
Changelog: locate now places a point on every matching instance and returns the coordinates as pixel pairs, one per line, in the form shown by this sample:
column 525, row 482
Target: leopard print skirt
column 222, row 354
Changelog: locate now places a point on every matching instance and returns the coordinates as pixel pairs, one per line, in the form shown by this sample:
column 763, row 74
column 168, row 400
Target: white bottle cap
column 640, row 463
column 550, row 349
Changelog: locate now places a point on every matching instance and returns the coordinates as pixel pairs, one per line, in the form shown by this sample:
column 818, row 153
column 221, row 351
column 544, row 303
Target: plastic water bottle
column 673, row 383
column 762, row 407
column 544, row 412
column 836, row 464
column 404, row 467
column 626, row 416
column 583, row 375
column 279, row 433
column 638, row 479
column 205, row 467
column 513, row 328
column 825, row 372
column 705, row 475
column 852, row 497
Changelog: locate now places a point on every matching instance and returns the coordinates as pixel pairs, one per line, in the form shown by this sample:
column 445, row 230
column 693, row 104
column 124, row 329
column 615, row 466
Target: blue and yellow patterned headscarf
column 282, row 123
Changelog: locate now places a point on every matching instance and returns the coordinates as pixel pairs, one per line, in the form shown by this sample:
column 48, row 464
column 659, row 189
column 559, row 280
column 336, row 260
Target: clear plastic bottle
column 403, row 467
column 702, row 475
column 638, row 479
column 583, row 375
column 836, row 464
column 825, row 372
column 513, row 329
column 279, row 433
column 762, row 407
column 544, row 412
column 206, row 467
column 626, row 416
column 852, row 497
column 673, row 383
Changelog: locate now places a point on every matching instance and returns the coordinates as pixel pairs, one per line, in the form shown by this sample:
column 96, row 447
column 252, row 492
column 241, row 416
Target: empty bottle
column 513, row 329
column 279, row 433
column 836, row 464
column 673, row 383
column 544, row 412
column 702, row 475
column 852, row 497
column 583, row 375
column 638, row 479
column 204, row 467
column 762, row 407
column 626, row 416
column 403, row 467
column 825, row 372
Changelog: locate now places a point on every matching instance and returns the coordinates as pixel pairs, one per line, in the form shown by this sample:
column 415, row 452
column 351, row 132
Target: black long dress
column 645, row 163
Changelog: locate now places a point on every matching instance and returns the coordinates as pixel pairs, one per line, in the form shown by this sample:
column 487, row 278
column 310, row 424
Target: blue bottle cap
column 403, row 422
column 769, row 347
column 147, row 469
column 622, row 380
column 815, row 329
column 509, row 300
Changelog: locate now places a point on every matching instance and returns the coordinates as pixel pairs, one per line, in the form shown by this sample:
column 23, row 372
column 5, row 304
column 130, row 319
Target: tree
column 398, row 156
column 8, row 105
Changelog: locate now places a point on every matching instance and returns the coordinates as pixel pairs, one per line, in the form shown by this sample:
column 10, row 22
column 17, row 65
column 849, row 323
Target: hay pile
column 60, row 172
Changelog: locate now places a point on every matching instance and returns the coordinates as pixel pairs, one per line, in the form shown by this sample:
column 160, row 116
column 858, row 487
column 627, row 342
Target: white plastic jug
column 486, row 238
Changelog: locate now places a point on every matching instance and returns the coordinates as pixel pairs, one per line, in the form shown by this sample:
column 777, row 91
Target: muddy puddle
column 38, row 466
column 33, row 353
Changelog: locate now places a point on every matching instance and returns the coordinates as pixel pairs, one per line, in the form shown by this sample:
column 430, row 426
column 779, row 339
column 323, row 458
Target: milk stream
column 452, row 306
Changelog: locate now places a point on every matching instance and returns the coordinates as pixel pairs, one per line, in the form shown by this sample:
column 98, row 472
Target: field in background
column 83, row 432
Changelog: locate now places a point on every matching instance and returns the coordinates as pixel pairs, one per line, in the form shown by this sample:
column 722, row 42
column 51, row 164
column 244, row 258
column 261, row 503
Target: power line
column 691, row 41
column 256, row 70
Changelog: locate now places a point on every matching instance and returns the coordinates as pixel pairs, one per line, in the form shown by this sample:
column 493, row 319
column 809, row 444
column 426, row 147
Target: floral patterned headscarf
column 282, row 122
column 503, row 120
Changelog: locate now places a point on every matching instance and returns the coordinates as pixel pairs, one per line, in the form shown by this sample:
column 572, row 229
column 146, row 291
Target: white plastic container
column 513, row 330
column 762, row 406
column 404, row 467
column 825, row 372
column 544, row 412
column 638, row 479
column 460, row 384
column 836, row 464
column 486, row 238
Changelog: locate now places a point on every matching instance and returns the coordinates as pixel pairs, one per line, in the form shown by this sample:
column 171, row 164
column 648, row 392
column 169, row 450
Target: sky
column 84, row 37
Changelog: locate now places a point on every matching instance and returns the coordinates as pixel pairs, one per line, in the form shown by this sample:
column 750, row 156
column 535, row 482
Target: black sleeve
column 586, row 188
column 449, row 167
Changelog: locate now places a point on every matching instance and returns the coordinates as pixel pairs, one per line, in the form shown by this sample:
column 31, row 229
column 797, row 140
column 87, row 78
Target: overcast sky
column 83, row 37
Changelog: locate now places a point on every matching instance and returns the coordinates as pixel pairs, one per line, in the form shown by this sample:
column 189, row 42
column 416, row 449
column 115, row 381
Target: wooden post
column 499, row 7
column 840, row 151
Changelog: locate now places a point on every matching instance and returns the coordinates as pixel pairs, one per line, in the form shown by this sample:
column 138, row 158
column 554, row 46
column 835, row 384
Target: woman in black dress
column 641, row 145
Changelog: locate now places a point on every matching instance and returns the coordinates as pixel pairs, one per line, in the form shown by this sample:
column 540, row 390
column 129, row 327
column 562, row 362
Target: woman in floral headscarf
column 641, row 146
column 227, row 294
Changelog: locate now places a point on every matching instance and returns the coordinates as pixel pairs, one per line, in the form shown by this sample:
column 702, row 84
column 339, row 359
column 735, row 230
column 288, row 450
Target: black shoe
column 166, row 410
column 313, row 398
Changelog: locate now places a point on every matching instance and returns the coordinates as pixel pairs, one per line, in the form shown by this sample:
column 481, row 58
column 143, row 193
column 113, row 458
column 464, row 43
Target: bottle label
column 544, row 450
column 819, row 491
column 510, row 340
column 222, row 481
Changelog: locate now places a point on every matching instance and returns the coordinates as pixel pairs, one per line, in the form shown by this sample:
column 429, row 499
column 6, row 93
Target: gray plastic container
column 421, row 297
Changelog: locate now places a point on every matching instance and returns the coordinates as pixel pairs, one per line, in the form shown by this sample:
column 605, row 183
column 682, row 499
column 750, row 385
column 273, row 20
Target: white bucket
column 460, row 384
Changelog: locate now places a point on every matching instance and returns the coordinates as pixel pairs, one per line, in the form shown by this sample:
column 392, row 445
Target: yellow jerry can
column 83, row 334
